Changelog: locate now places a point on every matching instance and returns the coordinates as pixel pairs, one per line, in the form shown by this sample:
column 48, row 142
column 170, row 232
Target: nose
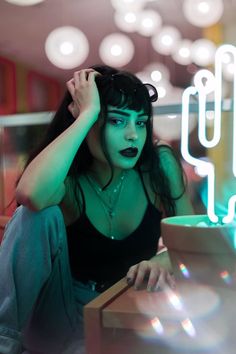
column 131, row 132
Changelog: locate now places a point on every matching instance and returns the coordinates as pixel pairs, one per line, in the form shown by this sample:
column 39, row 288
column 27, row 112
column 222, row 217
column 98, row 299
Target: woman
column 98, row 185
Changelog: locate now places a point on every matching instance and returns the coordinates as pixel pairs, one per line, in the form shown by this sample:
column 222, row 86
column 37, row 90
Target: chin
column 127, row 165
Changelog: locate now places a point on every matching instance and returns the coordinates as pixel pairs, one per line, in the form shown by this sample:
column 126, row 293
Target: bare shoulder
column 69, row 205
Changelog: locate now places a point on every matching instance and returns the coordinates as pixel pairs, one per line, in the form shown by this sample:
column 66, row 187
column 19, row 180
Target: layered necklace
column 108, row 199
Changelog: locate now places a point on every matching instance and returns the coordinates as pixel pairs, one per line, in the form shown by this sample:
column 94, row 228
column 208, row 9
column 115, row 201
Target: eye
column 116, row 121
column 141, row 123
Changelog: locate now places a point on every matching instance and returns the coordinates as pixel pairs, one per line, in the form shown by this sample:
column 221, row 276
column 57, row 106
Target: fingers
column 84, row 92
column 83, row 75
column 92, row 75
column 153, row 278
column 158, row 277
column 161, row 281
column 71, row 87
column 131, row 274
column 70, row 107
column 79, row 77
column 171, row 280
column 137, row 273
column 164, row 280
column 142, row 271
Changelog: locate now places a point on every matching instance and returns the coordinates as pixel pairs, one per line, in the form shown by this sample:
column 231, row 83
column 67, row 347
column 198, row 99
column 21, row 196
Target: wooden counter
column 124, row 321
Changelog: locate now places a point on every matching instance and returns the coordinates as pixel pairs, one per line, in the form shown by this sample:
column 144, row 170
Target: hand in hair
column 84, row 93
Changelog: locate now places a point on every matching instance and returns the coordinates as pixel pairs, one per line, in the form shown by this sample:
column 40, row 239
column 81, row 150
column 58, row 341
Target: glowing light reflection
column 188, row 327
column 156, row 324
column 174, row 300
column 204, row 7
column 226, row 277
column 184, row 270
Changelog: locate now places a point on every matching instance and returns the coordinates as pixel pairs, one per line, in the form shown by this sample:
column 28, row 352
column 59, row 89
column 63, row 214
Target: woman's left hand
column 158, row 276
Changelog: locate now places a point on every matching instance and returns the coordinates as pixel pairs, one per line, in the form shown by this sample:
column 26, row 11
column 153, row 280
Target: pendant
column 111, row 213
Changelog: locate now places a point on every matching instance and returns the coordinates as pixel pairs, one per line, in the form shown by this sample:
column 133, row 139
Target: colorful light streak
column 174, row 300
column 188, row 327
column 184, row 270
column 226, row 277
column 156, row 324
column 202, row 91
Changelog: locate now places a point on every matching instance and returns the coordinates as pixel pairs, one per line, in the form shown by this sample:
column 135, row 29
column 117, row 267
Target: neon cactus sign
column 202, row 90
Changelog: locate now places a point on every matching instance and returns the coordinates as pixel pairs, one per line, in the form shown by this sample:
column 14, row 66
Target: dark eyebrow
column 124, row 113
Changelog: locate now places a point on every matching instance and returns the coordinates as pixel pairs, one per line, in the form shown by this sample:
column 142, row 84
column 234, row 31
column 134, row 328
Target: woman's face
column 125, row 136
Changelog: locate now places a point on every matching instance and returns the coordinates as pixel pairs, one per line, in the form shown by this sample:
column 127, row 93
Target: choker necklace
column 108, row 200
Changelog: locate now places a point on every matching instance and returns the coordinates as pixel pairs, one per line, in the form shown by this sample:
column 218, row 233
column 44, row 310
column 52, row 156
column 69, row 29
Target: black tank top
column 93, row 256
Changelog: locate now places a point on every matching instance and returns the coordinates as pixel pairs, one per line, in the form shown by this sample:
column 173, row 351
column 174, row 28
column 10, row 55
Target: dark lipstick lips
column 129, row 152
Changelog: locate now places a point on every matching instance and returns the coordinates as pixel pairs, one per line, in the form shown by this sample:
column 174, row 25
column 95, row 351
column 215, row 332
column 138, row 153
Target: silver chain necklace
column 109, row 205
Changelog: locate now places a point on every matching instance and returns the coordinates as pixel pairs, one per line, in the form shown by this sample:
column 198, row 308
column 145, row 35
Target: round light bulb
column 164, row 88
column 156, row 75
column 203, row 7
column 229, row 70
column 149, row 22
column 66, row 47
column 166, row 41
column 128, row 5
column 203, row 52
column 116, row 49
column 203, row 13
column 157, row 71
column 24, row 2
column 126, row 21
column 161, row 91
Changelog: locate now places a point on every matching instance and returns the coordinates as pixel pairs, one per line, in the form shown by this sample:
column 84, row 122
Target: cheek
column 113, row 140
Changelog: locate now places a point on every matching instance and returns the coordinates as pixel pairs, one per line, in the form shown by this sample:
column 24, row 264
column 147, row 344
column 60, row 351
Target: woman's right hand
column 84, row 92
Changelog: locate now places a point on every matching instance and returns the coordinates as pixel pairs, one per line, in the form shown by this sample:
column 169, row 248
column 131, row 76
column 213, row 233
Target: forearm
column 44, row 176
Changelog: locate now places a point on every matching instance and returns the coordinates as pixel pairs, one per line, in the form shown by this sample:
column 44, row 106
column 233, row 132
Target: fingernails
column 129, row 281
column 158, row 288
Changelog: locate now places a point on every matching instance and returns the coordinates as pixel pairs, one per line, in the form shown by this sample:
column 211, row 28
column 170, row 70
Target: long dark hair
column 123, row 90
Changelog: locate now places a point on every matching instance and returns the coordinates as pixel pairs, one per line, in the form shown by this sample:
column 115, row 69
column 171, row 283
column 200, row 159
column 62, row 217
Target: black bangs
column 126, row 92
column 134, row 101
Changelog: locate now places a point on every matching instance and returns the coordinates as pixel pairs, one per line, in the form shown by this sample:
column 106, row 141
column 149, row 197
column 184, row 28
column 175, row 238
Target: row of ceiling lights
column 68, row 47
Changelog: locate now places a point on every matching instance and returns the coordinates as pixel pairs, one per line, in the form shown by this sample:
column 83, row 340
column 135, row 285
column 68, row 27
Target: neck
column 102, row 173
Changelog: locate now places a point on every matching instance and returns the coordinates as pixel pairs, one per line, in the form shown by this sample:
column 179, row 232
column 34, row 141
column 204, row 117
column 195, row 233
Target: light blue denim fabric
column 40, row 304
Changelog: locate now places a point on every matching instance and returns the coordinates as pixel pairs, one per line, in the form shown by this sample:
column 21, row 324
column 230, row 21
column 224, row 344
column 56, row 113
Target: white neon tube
column 202, row 92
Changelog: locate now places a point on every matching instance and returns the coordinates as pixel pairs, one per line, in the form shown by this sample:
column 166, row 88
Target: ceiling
column 23, row 31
